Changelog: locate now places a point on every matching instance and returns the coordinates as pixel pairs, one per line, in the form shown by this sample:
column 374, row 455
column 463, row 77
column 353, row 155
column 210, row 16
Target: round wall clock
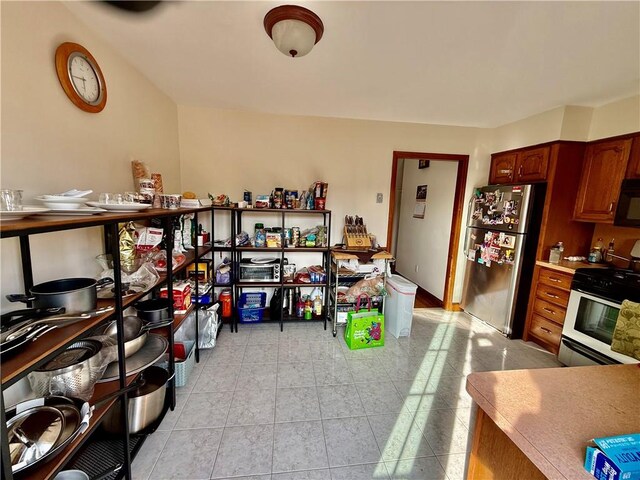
column 81, row 77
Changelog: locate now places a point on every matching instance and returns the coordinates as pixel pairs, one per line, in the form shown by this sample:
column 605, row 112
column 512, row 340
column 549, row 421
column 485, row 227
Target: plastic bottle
column 260, row 236
column 610, row 251
column 308, row 309
column 299, row 305
column 317, row 307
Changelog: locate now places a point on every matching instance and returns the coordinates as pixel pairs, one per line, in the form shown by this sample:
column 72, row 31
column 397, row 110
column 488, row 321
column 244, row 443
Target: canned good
column 247, row 196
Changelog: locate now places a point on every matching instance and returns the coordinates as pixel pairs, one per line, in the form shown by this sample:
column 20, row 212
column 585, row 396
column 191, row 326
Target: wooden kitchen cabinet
column 532, row 165
column 503, row 166
column 522, row 166
column 547, row 307
column 604, row 168
column 633, row 167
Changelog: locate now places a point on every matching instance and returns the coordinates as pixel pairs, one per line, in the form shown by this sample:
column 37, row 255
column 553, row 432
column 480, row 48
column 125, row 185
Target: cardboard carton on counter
column 614, row 458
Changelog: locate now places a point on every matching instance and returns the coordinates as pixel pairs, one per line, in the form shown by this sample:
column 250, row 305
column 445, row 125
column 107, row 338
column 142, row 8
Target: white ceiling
column 456, row 63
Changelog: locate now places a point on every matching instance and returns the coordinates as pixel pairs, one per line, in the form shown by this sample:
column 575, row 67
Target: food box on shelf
column 614, row 458
column 181, row 296
column 203, row 272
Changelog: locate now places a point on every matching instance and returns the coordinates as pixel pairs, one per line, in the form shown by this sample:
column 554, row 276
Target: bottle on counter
column 555, row 255
column 610, row 251
column 317, row 307
column 595, row 256
column 308, row 309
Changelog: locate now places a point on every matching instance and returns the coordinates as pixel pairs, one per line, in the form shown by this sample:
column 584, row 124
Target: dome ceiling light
column 293, row 29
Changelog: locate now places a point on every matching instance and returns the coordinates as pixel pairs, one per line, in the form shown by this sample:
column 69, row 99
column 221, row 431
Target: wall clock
column 81, row 77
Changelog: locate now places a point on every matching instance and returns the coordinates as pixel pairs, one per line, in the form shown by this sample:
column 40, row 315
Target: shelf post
column 168, row 227
column 195, row 294
column 122, row 368
column 27, row 270
column 6, row 459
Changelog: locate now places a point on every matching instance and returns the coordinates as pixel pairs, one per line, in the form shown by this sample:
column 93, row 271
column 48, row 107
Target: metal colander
column 72, row 373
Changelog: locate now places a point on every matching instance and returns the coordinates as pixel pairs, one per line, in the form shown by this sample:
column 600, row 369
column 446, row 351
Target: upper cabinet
column 604, row 168
column 633, row 169
column 523, row 166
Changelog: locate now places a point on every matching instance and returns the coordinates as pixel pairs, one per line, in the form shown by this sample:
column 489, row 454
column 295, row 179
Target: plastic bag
column 368, row 286
column 207, row 327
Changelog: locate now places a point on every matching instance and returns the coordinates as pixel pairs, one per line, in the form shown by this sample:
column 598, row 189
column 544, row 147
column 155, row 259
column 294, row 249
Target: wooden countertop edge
column 569, row 267
column 532, row 453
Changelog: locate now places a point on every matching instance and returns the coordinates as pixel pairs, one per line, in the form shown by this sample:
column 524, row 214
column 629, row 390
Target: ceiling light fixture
column 293, row 29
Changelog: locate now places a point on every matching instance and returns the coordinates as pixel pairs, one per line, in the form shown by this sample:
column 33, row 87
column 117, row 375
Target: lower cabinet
column 547, row 307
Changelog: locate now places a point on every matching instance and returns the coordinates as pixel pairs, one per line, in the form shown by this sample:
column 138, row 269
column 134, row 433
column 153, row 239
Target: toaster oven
column 260, row 270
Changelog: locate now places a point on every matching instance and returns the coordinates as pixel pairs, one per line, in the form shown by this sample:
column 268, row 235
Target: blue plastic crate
column 251, row 307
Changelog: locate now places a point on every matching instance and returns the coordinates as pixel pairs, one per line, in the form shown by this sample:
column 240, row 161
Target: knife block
column 356, row 237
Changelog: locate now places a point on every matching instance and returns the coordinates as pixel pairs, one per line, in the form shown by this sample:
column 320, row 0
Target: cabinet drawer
column 555, row 278
column 549, row 311
column 548, row 332
column 552, row 294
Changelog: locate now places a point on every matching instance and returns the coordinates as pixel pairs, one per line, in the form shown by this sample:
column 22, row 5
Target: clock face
column 84, row 79
column 80, row 77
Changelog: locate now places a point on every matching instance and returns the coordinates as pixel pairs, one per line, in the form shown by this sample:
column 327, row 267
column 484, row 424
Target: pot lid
column 151, row 379
column 33, row 433
column 76, row 353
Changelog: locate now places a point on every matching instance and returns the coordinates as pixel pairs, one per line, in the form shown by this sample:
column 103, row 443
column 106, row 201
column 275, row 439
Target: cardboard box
column 181, row 297
column 614, row 458
column 204, row 270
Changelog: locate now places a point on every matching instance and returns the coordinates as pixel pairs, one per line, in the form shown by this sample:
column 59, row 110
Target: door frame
column 456, row 217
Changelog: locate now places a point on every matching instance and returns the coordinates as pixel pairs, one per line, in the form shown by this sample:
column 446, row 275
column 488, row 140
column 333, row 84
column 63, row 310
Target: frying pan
column 135, row 333
column 74, row 411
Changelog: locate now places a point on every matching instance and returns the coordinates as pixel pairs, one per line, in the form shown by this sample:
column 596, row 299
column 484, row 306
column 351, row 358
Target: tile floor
column 299, row 405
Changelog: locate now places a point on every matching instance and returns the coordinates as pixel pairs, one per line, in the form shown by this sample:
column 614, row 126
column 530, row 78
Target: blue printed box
column 614, row 458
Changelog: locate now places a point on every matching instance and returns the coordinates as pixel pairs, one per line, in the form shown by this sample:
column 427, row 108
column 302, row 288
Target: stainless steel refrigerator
column 500, row 248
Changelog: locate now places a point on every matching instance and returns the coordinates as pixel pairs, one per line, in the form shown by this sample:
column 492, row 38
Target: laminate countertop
column 551, row 414
column 569, row 267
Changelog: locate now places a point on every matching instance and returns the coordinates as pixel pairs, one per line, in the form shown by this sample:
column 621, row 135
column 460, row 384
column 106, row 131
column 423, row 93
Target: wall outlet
column 379, row 198
column 417, row 268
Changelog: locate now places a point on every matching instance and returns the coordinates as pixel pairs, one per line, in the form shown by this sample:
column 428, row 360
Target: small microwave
column 628, row 211
column 259, row 271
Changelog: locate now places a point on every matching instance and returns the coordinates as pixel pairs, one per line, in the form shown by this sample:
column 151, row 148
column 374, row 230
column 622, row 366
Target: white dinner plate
column 57, row 202
column 120, row 207
column 263, row 260
column 75, row 211
column 18, row 214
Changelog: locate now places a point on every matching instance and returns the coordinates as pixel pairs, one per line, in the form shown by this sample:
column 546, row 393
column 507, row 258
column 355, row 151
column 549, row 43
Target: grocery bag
column 365, row 327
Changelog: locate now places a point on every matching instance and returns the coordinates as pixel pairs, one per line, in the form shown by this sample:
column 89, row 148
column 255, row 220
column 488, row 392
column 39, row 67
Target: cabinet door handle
column 611, row 206
column 520, row 171
column 552, row 295
column 554, row 279
column 546, row 330
column 549, row 310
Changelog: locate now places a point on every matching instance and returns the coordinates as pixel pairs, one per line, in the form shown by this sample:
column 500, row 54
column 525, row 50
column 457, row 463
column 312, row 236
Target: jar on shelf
column 260, row 236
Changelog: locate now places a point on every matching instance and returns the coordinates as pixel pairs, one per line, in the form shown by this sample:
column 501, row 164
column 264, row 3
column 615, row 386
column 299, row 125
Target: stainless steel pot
column 135, row 333
column 145, row 403
column 155, row 310
column 76, row 295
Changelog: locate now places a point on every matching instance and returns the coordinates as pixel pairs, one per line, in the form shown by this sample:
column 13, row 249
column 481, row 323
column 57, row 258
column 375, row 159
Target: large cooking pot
column 145, row 403
column 76, row 295
column 155, row 310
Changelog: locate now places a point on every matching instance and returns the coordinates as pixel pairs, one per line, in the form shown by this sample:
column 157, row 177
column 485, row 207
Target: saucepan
column 39, row 429
column 135, row 333
column 76, row 295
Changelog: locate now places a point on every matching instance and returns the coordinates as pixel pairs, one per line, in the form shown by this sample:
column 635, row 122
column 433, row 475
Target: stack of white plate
column 64, row 205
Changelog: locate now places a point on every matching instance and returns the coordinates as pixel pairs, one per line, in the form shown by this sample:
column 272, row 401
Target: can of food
column 295, row 236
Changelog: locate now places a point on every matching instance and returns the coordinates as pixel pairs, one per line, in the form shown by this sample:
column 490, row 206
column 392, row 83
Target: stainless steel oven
column 592, row 312
column 260, row 270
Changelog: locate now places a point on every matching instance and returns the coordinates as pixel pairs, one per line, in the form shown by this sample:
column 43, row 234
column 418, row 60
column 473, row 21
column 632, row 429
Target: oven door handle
column 587, row 352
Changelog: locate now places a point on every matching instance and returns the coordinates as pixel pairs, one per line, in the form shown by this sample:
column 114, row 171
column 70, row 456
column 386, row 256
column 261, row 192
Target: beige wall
column 616, row 118
column 225, row 151
column 49, row 145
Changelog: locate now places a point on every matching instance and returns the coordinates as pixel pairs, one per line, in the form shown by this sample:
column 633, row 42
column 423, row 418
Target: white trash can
column 398, row 306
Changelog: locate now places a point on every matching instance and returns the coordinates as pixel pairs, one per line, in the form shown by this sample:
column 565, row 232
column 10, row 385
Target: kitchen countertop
column 570, row 267
column 550, row 414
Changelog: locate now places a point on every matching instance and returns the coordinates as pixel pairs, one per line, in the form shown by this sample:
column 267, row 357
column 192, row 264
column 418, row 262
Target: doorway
column 415, row 160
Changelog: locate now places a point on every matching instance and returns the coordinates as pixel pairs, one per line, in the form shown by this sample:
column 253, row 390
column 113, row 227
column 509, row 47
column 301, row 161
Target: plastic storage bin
column 251, row 307
column 398, row 305
column 184, row 367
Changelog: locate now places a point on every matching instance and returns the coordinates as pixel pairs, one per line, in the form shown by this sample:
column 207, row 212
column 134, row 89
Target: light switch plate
column 379, row 198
